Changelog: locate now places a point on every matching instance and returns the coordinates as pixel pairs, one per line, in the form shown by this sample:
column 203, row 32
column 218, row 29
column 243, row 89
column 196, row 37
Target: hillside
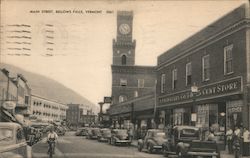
column 48, row 88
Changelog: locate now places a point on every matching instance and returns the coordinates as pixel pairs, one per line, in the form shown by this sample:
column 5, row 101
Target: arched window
column 122, row 98
column 124, row 59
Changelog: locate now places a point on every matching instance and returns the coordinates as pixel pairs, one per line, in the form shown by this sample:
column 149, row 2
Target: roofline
column 51, row 100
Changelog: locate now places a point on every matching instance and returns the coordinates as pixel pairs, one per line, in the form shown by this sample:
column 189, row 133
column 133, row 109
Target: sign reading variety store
column 225, row 87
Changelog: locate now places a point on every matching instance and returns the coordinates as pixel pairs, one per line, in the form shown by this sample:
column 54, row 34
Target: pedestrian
column 211, row 136
column 237, row 132
column 236, row 146
column 229, row 138
column 131, row 133
column 246, row 142
column 51, row 139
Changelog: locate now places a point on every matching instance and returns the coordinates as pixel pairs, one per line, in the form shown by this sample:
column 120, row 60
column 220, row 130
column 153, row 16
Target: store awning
column 8, row 116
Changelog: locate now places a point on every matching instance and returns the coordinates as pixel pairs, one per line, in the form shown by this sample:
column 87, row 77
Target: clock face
column 124, row 29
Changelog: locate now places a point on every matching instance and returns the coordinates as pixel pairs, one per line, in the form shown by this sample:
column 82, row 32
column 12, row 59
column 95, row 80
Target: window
column 26, row 100
column 174, row 78
column 124, row 60
column 123, row 82
column 228, row 59
column 122, row 98
column 205, row 68
column 188, row 73
column 163, row 82
column 136, row 94
column 140, row 83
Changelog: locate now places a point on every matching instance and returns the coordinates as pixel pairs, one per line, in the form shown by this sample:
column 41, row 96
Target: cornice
column 132, row 69
column 124, row 43
column 242, row 24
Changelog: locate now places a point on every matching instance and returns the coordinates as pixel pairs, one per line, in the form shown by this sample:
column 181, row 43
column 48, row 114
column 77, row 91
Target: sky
column 78, row 53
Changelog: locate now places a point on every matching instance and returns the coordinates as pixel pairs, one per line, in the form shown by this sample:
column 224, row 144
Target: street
column 71, row 146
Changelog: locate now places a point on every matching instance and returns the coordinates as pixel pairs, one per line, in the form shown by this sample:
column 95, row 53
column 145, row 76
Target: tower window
column 123, row 82
column 124, row 60
column 140, row 83
column 122, row 98
column 136, row 94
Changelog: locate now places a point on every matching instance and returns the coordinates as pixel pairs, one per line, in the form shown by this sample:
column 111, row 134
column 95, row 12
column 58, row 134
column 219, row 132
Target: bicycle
column 51, row 150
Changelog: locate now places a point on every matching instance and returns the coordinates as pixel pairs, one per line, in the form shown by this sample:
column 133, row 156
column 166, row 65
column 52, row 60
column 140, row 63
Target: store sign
column 107, row 99
column 9, row 105
column 213, row 90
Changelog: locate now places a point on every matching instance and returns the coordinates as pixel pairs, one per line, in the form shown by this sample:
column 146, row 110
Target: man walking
column 246, row 142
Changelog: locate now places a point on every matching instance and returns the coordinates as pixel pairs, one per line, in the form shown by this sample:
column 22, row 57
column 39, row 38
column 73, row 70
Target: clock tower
column 124, row 45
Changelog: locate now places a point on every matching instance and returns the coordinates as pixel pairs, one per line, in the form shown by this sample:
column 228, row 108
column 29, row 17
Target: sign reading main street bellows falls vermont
column 225, row 87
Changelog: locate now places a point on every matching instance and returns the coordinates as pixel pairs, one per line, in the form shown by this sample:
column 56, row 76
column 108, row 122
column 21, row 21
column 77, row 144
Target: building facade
column 215, row 64
column 23, row 105
column 8, row 88
column 47, row 110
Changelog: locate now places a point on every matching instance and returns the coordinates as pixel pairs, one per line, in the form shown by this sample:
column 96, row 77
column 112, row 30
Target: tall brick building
column 216, row 60
column 128, row 80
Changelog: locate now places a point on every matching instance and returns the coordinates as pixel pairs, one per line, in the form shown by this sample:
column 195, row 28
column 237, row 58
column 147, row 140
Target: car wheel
column 164, row 152
column 139, row 147
column 150, row 148
column 179, row 154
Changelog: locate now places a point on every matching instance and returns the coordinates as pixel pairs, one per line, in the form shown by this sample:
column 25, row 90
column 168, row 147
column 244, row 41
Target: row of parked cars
column 16, row 140
column 114, row 136
column 180, row 141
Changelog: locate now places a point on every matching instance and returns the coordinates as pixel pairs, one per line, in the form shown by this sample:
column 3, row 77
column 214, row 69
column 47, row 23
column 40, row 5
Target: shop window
column 123, row 82
column 188, row 74
column 228, row 59
column 205, row 68
column 174, row 78
column 140, row 83
column 163, row 83
column 213, row 117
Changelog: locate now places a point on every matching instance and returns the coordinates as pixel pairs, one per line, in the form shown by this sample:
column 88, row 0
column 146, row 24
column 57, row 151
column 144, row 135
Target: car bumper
column 158, row 147
column 202, row 154
column 123, row 141
column 103, row 139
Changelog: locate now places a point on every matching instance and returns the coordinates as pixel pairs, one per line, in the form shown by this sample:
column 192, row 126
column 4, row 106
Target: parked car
column 119, row 136
column 185, row 142
column 104, row 134
column 60, row 130
column 82, row 131
column 12, row 141
column 152, row 141
column 93, row 133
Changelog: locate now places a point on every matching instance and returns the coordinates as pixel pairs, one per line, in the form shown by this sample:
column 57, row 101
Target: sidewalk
column 224, row 154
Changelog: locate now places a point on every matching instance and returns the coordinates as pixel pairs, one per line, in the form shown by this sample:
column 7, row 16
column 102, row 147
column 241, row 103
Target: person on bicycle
column 52, row 138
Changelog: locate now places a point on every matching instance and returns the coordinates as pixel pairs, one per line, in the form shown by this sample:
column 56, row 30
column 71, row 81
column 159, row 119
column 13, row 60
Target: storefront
column 216, row 106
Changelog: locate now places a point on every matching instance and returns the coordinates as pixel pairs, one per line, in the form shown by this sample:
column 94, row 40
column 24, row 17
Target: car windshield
column 160, row 134
column 122, row 132
column 189, row 133
column 106, row 131
column 5, row 134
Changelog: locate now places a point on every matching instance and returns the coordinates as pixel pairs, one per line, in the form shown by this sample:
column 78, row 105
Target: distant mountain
column 48, row 88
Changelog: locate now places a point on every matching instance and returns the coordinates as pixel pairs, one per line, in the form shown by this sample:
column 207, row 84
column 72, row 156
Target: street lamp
column 194, row 90
column 100, row 113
